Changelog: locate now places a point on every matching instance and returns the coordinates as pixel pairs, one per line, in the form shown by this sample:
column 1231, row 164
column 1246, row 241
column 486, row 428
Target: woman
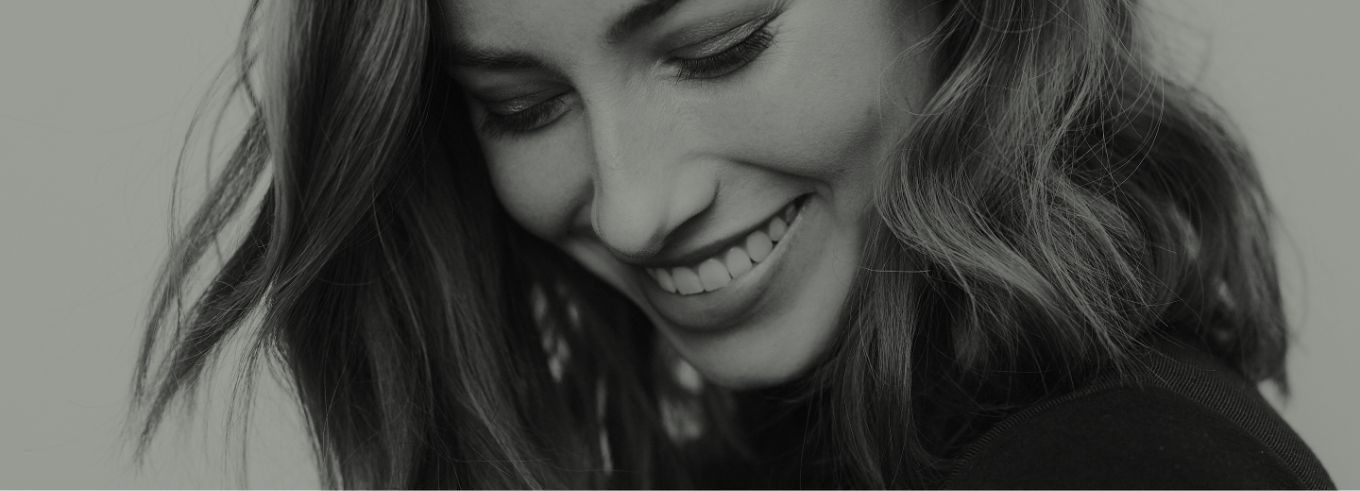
column 623, row 243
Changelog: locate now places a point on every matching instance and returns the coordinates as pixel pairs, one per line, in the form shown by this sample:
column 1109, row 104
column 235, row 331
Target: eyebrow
column 628, row 24
column 637, row 18
column 462, row 55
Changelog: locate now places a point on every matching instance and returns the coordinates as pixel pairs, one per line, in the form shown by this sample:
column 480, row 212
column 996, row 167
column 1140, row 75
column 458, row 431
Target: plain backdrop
column 95, row 98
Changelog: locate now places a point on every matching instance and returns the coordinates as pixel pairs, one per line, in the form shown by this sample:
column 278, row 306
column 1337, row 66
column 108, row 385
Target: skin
column 635, row 165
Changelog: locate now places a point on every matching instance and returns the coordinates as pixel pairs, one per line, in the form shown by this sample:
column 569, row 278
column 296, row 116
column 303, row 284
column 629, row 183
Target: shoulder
column 1122, row 438
column 1185, row 425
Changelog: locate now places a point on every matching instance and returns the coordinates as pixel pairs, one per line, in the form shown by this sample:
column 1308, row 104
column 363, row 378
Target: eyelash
column 729, row 60
column 710, row 67
column 522, row 121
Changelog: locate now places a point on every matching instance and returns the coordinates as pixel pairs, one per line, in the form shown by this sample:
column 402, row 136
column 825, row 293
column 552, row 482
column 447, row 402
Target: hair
column 1060, row 202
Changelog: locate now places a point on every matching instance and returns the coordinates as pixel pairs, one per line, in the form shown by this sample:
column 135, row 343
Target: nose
column 649, row 179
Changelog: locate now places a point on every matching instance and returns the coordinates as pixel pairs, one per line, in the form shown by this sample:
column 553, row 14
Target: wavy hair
column 1060, row 202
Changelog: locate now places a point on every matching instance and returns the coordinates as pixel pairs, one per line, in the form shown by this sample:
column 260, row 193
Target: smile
column 719, row 270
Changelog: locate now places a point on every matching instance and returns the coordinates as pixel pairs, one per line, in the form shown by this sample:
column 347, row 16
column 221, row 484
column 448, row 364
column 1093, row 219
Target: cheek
column 828, row 106
column 540, row 182
column 823, row 127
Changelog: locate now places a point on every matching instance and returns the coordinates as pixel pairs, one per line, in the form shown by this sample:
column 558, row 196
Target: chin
column 763, row 364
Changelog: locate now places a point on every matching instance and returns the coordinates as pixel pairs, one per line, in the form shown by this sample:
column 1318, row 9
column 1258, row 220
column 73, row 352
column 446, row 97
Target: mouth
column 735, row 259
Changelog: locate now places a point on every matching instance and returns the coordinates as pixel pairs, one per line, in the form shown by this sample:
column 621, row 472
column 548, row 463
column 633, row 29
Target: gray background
column 94, row 98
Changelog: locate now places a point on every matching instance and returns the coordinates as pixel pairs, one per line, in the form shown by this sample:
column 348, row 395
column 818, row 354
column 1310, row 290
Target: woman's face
column 713, row 160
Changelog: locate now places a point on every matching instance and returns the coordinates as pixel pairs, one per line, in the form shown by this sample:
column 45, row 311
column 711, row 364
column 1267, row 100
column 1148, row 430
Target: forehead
column 566, row 35
column 506, row 20
column 497, row 23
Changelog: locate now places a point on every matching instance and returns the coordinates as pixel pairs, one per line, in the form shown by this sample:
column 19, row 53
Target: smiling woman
column 863, row 243
column 671, row 161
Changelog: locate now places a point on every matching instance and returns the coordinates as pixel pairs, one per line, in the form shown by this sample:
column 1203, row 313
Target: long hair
column 1059, row 202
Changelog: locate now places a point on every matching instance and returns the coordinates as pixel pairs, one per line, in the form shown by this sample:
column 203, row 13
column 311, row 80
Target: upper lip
column 670, row 258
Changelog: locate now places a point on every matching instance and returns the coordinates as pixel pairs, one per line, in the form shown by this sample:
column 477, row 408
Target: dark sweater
column 1185, row 421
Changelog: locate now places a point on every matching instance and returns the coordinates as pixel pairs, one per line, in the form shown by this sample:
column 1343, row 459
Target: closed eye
column 510, row 119
column 729, row 60
column 509, row 122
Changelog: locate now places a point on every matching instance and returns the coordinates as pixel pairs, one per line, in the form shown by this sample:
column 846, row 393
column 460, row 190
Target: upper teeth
column 717, row 271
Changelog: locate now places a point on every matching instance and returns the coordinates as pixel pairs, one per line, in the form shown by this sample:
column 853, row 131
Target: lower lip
column 733, row 304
